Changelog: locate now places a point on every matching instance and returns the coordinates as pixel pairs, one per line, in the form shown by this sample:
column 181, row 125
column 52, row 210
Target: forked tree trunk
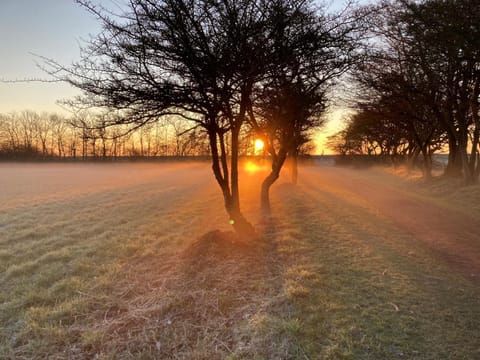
column 231, row 198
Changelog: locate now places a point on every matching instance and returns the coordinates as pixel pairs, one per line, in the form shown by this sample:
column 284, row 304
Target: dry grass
column 442, row 190
column 452, row 193
column 147, row 269
column 198, row 305
column 363, row 288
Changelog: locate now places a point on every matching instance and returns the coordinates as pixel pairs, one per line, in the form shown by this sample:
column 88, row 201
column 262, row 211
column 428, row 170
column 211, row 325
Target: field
column 137, row 261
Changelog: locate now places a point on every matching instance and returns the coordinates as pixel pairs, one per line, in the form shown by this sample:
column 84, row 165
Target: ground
column 138, row 261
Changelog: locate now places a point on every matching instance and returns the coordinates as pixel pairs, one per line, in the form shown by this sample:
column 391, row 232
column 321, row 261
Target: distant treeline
column 30, row 135
column 419, row 87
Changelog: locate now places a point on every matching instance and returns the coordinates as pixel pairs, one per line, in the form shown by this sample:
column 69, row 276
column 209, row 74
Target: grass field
column 136, row 261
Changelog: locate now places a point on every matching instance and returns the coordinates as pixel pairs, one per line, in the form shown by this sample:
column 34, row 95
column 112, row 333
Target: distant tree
column 59, row 130
column 339, row 143
column 27, row 121
column 393, row 96
column 434, row 49
column 4, row 133
column 44, row 132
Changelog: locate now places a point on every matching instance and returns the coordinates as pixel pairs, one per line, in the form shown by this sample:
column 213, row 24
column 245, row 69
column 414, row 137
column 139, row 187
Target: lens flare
column 251, row 167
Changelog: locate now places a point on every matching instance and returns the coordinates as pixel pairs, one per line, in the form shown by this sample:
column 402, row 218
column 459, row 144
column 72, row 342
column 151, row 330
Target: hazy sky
column 49, row 28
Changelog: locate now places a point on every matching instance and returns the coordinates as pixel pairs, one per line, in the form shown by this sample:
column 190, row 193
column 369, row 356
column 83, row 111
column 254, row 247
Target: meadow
column 137, row 261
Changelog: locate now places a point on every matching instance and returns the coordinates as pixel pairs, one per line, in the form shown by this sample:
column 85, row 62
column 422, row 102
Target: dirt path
column 449, row 234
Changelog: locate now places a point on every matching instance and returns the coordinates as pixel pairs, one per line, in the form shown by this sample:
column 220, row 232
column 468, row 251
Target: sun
column 259, row 145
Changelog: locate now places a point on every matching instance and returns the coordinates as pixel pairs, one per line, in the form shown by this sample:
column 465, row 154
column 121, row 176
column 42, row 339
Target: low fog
column 376, row 193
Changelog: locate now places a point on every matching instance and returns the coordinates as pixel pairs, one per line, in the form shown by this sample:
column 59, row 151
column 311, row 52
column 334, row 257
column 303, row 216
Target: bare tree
column 195, row 59
column 44, row 130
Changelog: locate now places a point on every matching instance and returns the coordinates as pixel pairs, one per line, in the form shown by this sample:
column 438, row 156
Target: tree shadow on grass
column 217, row 298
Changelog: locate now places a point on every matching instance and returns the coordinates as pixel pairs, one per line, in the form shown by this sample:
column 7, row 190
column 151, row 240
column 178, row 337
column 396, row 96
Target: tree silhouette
column 429, row 64
column 194, row 59
column 310, row 50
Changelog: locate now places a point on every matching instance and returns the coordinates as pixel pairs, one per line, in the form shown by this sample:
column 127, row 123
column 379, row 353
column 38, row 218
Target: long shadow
column 211, row 300
column 349, row 305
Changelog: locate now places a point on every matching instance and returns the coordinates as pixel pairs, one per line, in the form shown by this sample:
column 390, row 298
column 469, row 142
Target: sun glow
column 259, row 145
column 251, row 167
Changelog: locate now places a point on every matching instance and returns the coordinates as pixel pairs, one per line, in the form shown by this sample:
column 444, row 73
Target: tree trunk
column 453, row 167
column 474, row 109
column 427, row 164
column 476, row 173
column 265, row 192
column 232, row 205
column 241, row 226
column 277, row 164
column 468, row 177
column 294, row 164
column 234, row 166
column 473, row 164
column 412, row 158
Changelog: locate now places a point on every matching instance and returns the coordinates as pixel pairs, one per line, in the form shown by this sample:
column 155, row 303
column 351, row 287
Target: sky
column 49, row 28
column 53, row 29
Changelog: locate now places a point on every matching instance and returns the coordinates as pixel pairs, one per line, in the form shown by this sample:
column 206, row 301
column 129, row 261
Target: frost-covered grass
column 122, row 261
column 60, row 251
column 363, row 288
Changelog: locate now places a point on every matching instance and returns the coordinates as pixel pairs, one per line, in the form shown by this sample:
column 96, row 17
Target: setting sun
column 259, row 145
